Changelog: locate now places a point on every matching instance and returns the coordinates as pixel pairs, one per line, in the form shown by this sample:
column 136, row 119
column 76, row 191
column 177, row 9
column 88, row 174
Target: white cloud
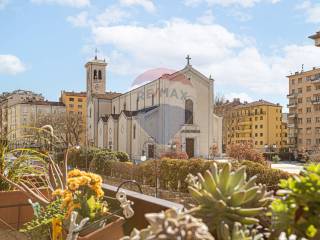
column 3, row 3
column 80, row 20
column 148, row 5
column 241, row 95
column 235, row 63
column 240, row 15
column 227, row 3
column 109, row 16
column 311, row 10
column 206, row 18
column 71, row 3
column 10, row 64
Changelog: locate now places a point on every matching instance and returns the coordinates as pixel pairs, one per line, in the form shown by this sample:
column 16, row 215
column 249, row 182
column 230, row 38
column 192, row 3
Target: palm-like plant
column 24, row 168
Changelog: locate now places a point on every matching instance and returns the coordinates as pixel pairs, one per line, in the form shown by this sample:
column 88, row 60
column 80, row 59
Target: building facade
column 304, row 111
column 76, row 103
column 9, row 99
column 223, row 110
column 259, row 123
column 151, row 119
column 25, row 114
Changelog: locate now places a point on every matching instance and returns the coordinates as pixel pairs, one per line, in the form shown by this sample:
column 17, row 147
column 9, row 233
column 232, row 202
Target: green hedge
column 173, row 172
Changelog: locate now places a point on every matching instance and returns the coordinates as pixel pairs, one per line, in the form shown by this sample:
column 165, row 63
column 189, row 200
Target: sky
column 248, row 46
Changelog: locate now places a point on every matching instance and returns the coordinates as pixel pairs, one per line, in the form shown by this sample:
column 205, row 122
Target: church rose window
column 189, row 111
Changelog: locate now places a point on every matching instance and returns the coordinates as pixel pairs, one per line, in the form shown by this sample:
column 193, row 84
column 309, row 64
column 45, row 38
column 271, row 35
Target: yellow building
column 76, row 102
column 259, row 122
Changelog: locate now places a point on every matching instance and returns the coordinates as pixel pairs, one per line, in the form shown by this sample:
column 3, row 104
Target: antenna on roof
column 96, row 54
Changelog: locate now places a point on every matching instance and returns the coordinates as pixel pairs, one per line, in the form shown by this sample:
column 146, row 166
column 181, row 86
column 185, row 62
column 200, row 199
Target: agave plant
column 228, row 197
column 171, row 225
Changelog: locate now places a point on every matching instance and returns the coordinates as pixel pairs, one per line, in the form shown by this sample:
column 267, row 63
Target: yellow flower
column 74, row 173
column 57, row 192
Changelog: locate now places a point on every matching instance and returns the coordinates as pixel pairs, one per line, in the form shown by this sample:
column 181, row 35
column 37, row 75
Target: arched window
column 95, row 74
column 124, row 106
column 99, row 74
column 188, row 112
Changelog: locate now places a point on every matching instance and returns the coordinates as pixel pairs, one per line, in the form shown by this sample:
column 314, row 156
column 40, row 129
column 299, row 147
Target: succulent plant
column 228, row 197
column 171, row 225
column 239, row 232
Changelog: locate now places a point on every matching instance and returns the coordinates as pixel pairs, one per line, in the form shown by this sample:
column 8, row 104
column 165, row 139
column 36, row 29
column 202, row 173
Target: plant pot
column 112, row 230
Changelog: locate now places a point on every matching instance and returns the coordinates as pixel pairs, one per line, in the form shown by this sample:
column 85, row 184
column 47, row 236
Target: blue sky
column 248, row 46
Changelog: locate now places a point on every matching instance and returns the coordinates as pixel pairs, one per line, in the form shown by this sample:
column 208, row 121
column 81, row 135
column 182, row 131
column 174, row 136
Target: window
column 99, row 75
column 71, row 99
column 261, row 126
column 299, row 80
column 300, row 110
column 114, row 110
column 308, row 130
column 256, row 134
column 308, row 88
column 299, row 100
column 71, row 105
column 308, row 109
column 137, row 104
column 79, row 106
column 308, row 141
column 308, row 120
column 188, row 112
column 124, row 106
column 299, row 120
column 80, row 100
column 261, row 118
column 134, row 131
column 292, row 81
column 261, row 142
column 261, row 134
column 299, row 90
column 95, row 74
column 152, row 99
column 308, row 99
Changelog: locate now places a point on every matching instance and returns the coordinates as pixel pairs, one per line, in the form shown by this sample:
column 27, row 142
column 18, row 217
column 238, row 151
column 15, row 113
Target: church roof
column 115, row 116
column 107, row 95
column 261, row 102
column 105, row 118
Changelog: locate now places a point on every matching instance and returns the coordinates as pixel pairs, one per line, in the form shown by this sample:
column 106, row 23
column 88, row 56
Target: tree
column 68, row 127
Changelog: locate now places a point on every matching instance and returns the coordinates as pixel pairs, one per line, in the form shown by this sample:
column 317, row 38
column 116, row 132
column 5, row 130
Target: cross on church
column 188, row 59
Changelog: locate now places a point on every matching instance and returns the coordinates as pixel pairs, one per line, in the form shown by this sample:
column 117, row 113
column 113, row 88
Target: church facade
column 174, row 111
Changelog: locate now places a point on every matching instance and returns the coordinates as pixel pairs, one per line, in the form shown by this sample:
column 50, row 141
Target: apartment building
column 26, row 113
column 304, row 110
column 259, row 122
column 76, row 102
column 8, row 99
column 223, row 110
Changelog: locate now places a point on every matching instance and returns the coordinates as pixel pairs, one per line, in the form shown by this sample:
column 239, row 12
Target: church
column 172, row 112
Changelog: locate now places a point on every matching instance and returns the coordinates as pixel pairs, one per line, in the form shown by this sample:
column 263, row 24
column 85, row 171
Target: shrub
column 122, row 156
column 298, row 210
column 265, row 175
column 246, row 152
column 276, row 159
column 175, row 155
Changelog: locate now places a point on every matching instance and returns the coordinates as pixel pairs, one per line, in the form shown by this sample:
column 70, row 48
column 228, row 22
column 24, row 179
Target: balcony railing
column 292, row 105
column 315, row 101
column 292, row 115
column 315, row 79
column 292, row 95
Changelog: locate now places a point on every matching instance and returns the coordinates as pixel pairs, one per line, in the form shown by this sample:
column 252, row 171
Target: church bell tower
column 96, row 76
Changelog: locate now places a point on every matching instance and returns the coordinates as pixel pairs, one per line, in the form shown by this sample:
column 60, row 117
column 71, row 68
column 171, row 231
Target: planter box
column 111, row 231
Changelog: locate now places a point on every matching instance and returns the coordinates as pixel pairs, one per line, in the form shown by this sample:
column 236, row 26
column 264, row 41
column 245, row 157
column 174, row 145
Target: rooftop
column 261, row 102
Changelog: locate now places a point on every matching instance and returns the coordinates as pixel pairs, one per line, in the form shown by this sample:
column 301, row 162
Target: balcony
column 291, row 125
column 292, row 115
column 292, row 95
column 292, row 105
column 315, row 80
column 315, row 101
